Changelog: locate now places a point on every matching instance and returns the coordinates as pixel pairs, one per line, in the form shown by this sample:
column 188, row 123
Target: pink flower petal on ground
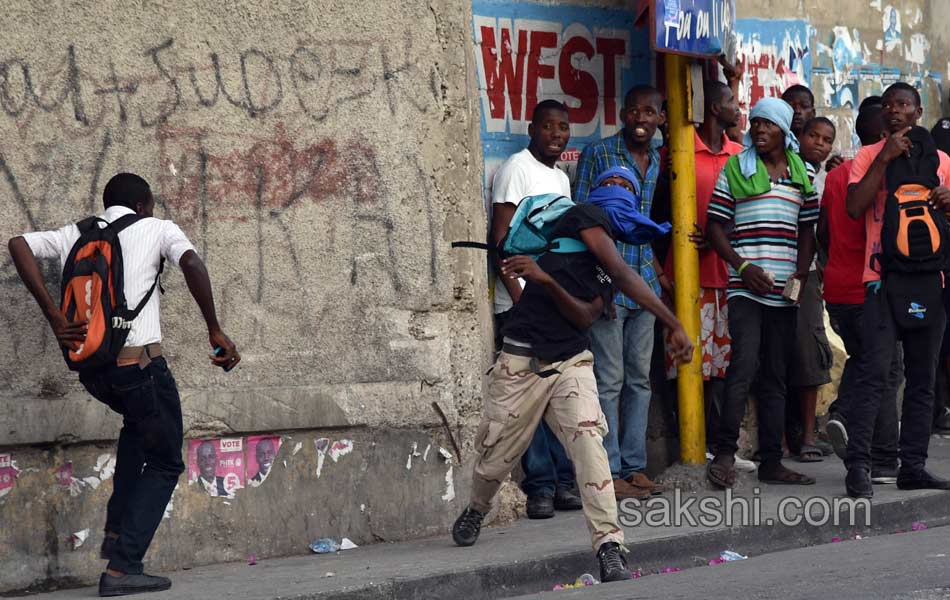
column 637, row 574
column 671, row 570
column 917, row 526
column 835, row 540
column 252, row 560
column 717, row 561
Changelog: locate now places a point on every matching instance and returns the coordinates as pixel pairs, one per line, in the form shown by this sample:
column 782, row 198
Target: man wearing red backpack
column 137, row 382
column 868, row 185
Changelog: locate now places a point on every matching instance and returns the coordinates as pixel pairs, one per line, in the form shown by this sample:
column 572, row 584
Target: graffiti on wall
column 525, row 52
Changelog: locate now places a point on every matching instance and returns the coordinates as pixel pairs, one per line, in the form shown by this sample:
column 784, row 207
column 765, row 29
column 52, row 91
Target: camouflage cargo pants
column 517, row 400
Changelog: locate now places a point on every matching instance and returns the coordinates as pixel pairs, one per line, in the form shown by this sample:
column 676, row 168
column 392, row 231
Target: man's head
column 207, row 460
column 901, row 106
column 617, row 176
column 770, row 122
column 550, row 130
column 870, row 125
column 721, row 104
column 265, row 454
column 802, row 102
column 642, row 113
column 870, row 101
column 131, row 191
column 893, row 19
column 817, row 139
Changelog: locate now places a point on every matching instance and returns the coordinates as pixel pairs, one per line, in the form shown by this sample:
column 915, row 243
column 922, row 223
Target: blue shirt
column 612, row 152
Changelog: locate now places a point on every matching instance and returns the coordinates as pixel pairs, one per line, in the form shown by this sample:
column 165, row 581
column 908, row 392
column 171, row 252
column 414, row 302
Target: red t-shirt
column 845, row 267
column 713, row 272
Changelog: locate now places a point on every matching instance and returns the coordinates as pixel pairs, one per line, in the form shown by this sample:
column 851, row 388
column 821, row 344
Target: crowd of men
column 784, row 230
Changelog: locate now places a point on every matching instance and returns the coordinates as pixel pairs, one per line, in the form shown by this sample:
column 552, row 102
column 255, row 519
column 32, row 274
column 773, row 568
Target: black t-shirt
column 535, row 319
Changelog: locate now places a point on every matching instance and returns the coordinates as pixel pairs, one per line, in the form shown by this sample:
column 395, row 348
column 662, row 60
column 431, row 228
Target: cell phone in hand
column 219, row 352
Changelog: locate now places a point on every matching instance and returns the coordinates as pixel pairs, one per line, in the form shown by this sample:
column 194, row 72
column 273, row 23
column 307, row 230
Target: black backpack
column 915, row 245
column 93, row 290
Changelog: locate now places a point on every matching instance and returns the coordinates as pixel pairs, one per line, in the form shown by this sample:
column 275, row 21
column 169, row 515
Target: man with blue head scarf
column 623, row 346
column 765, row 194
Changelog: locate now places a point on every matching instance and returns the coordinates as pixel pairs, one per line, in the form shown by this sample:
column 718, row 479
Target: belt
column 517, row 350
column 138, row 355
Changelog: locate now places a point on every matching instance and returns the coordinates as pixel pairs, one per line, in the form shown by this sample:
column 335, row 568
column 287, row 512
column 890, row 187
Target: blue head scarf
column 623, row 208
column 777, row 111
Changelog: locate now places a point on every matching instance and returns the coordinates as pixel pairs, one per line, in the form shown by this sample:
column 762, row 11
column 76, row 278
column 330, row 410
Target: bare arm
column 630, row 283
column 500, row 222
column 580, row 313
column 199, row 284
column 69, row 334
column 806, row 251
column 861, row 195
column 823, row 234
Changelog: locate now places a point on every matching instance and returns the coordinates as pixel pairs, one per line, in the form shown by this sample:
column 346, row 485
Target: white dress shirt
column 144, row 244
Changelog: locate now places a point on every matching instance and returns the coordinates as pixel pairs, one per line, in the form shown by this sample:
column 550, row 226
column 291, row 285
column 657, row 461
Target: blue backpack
column 530, row 230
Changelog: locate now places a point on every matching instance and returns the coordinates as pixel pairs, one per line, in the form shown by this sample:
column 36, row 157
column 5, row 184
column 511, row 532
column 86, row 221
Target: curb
column 682, row 551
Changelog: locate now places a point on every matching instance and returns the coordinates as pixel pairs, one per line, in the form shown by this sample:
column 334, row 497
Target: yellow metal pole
column 685, row 257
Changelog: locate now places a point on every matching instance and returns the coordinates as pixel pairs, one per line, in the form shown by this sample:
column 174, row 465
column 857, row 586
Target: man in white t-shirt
column 548, row 473
column 139, row 385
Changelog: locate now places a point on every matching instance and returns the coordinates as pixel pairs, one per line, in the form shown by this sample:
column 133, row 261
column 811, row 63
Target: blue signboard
column 701, row 28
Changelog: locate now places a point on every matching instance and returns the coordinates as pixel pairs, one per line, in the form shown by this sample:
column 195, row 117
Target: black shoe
column 920, row 480
column 566, row 499
column 540, row 507
column 131, row 584
column 884, row 475
column 467, row 527
column 613, row 566
column 107, row 547
column 858, row 483
column 838, row 434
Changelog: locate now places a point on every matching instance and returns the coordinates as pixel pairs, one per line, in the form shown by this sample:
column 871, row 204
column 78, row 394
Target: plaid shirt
column 597, row 158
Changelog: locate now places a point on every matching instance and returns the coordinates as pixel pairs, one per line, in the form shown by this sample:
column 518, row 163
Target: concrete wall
column 321, row 155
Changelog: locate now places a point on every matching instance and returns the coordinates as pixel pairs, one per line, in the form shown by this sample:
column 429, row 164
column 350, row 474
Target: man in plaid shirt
column 623, row 347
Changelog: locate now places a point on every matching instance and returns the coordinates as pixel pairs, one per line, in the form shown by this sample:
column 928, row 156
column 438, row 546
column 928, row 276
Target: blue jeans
column 545, row 464
column 623, row 350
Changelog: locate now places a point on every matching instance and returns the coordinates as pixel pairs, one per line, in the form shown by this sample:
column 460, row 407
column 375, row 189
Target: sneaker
column 747, row 466
column 623, row 490
column 613, row 566
column 131, row 584
column 884, row 475
column 467, row 527
column 838, row 434
column 566, row 499
column 857, row 483
column 640, row 480
column 540, row 507
column 920, row 480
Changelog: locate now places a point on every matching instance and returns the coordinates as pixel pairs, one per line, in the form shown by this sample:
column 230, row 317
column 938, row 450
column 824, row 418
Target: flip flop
column 720, row 475
column 810, row 454
column 785, row 476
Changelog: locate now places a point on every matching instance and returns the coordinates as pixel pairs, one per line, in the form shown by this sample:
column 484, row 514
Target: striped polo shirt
column 765, row 231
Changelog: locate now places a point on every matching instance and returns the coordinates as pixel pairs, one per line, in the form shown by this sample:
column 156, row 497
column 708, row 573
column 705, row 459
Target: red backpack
column 93, row 290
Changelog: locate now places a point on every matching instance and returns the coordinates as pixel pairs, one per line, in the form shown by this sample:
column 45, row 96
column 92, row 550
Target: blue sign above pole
column 701, row 28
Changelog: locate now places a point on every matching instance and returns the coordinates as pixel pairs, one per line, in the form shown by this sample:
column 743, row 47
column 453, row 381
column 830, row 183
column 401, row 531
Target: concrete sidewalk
column 533, row 556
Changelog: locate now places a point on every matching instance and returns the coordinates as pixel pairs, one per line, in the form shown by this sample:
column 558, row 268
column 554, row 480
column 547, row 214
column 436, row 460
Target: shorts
column 714, row 335
column 812, row 359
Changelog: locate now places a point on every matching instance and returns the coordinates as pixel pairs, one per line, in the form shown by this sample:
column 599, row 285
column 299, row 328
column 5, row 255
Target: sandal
column 781, row 475
column 810, row 454
column 721, row 475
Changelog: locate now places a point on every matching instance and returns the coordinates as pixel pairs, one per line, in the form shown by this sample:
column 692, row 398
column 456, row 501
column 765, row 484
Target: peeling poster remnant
column 340, row 448
column 217, row 465
column 261, row 452
column 8, row 473
column 322, row 445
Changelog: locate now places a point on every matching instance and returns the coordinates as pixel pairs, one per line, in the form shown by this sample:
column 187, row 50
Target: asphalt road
column 907, row 566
